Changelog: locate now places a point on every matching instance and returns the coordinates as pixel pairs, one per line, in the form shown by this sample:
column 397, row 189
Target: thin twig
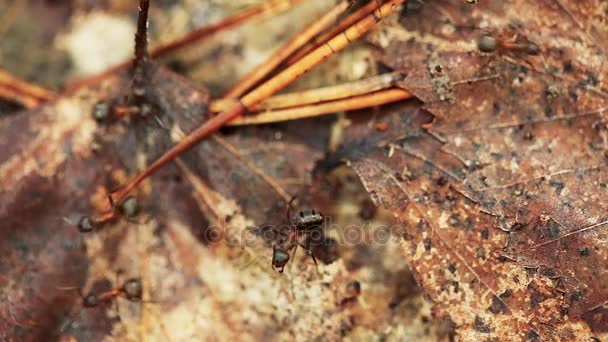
column 343, row 25
column 317, row 95
column 193, row 37
column 358, row 102
column 259, row 73
column 22, row 92
column 141, row 51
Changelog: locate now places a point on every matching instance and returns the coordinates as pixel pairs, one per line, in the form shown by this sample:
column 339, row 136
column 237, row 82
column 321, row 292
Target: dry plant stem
column 343, row 25
column 141, row 51
column 20, row 91
column 193, row 37
column 308, row 111
column 317, row 95
column 141, row 36
column 270, row 87
column 259, row 73
column 249, row 13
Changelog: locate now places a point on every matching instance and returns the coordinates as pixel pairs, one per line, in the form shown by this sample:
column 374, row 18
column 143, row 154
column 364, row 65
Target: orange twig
column 259, row 73
column 308, row 111
column 20, row 91
column 317, row 95
column 194, row 36
column 265, row 90
column 343, row 25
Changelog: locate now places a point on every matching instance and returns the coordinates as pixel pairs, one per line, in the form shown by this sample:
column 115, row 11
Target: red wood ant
column 128, row 209
column 304, row 222
column 507, row 43
column 131, row 290
column 105, row 111
column 489, row 44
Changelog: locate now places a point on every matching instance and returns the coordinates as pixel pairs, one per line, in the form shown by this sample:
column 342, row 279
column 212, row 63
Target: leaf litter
column 498, row 173
column 503, row 229
column 171, row 243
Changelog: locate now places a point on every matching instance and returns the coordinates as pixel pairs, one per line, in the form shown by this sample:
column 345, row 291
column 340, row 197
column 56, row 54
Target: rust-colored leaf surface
column 498, row 174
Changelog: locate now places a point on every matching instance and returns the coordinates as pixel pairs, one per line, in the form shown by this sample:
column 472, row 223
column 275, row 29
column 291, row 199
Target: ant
column 306, row 222
column 488, row 43
column 131, row 289
column 104, row 111
column 128, row 209
column 507, row 43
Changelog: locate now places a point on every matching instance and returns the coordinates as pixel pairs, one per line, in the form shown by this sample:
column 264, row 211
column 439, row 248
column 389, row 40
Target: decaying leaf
column 495, row 175
column 199, row 241
column 498, row 174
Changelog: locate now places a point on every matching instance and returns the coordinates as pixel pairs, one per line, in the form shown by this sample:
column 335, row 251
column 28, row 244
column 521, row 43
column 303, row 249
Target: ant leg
column 293, row 255
column 111, row 200
column 293, row 198
column 490, row 60
column 314, row 259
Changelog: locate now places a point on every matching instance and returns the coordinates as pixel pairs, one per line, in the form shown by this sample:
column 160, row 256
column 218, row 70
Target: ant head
column 90, row 301
column 487, row 43
column 129, row 207
column 86, row 225
column 101, row 111
column 532, row 49
column 279, row 259
column 306, row 218
column 132, row 289
column 353, row 288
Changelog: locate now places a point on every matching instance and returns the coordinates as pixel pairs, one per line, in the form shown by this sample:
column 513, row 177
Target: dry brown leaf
column 498, row 176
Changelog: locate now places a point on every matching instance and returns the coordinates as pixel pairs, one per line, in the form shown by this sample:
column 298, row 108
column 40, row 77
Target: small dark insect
column 351, row 292
column 128, row 209
column 130, row 290
column 507, row 43
column 101, row 111
column 86, row 225
column 104, row 111
column 489, row 44
column 304, row 223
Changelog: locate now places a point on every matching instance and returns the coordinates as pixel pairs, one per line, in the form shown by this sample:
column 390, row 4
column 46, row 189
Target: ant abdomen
column 487, row 43
column 90, row 301
column 279, row 259
column 533, row 49
column 306, row 218
column 86, row 225
column 132, row 289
